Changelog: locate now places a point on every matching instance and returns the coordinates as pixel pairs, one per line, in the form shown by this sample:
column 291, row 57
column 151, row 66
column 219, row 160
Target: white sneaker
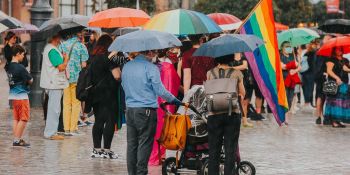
column 96, row 154
column 109, row 155
column 308, row 108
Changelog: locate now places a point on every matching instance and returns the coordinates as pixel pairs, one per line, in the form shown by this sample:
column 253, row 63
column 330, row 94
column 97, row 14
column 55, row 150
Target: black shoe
column 257, row 117
column 21, row 143
column 318, row 121
column 327, row 122
column 338, row 125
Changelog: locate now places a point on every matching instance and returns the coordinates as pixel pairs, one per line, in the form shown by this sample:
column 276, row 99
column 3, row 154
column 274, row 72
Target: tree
column 293, row 12
column 289, row 12
column 147, row 5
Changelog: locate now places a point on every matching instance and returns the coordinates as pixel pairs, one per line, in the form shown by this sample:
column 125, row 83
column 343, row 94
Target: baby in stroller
column 194, row 159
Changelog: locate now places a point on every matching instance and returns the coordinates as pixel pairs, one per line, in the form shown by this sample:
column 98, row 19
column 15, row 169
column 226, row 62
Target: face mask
column 289, row 50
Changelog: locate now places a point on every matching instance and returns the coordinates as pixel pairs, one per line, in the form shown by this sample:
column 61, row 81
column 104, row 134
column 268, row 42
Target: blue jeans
column 308, row 87
column 53, row 112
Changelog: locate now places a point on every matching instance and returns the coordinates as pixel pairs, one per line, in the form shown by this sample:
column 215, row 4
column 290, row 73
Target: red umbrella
column 280, row 27
column 327, row 48
column 225, row 21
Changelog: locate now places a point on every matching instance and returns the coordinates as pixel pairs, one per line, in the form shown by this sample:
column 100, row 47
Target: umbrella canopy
column 11, row 22
column 125, row 30
column 280, row 27
column 63, row 25
column 336, row 26
column 297, row 36
column 327, row 48
column 80, row 20
column 225, row 21
column 182, row 22
column 144, row 40
column 3, row 28
column 229, row 44
column 119, row 17
column 27, row 28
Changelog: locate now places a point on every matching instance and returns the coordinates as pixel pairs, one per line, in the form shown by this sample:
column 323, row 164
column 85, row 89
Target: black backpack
column 84, row 84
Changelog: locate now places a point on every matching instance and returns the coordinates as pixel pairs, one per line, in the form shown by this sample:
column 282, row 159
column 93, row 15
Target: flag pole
column 249, row 15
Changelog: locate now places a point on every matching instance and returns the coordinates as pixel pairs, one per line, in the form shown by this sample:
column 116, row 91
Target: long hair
column 334, row 51
column 9, row 35
column 102, row 45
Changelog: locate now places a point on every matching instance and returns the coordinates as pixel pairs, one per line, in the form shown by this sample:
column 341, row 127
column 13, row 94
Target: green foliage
column 147, row 5
column 291, row 12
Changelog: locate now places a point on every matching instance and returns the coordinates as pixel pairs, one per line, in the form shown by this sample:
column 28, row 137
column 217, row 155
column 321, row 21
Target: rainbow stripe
column 265, row 61
column 182, row 22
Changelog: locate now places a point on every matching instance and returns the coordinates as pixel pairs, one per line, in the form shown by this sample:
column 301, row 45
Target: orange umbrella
column 280, row 26
column 119, row 17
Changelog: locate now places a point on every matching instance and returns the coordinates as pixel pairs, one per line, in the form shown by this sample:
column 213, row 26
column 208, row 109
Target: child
column 19, row 79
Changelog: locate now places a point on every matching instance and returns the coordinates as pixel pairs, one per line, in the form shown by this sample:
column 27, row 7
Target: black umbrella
column 76, row 19
column 11, row 22
column 64, row 26
column 341, row 26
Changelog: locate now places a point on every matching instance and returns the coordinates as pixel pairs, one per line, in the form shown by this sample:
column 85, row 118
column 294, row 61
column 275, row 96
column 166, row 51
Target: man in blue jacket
column 142, row 85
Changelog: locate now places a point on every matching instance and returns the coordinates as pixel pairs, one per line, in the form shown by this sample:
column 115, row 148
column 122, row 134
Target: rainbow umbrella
column 182, row 22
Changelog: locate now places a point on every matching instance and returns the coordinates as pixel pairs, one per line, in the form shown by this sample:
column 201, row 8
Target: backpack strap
column 213, row 73
column 229, row 73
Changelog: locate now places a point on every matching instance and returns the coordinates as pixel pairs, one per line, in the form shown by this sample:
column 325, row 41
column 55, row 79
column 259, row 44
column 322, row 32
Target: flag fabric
column 265, row 61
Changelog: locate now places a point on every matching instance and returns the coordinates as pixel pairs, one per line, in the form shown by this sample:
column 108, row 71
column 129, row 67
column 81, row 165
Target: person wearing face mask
column 78, row 56
column 290, row 69
column 142, row 84
column 337, row 106
column 53, row 80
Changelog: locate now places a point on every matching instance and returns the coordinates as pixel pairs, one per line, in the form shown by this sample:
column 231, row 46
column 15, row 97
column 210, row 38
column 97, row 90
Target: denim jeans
column 53, row 112
column 223, row 129
column 141, row 128
column 308, row 87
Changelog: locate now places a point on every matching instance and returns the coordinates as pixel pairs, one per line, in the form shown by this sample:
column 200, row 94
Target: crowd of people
column 130, row 84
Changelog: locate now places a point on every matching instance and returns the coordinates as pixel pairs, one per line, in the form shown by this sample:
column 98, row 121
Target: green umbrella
column 297, row 36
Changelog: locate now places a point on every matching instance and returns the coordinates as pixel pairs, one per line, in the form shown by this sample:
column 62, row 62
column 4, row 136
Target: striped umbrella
column 225, row 21
column 182, row 22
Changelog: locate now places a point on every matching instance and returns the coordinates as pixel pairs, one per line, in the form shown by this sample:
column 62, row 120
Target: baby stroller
column 194, row 158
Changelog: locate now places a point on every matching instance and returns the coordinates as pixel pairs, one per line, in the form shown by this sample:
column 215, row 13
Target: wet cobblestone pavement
column 302, row 148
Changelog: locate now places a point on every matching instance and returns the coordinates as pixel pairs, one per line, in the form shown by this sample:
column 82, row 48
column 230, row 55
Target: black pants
column 104, row 125
column 223, row 128
column 141, row 128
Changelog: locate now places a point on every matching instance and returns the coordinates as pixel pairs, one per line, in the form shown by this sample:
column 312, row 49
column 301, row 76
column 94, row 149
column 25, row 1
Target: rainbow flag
column 265, row 61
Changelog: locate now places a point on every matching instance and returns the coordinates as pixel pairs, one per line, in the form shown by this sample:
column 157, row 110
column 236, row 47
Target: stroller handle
column 164, row 104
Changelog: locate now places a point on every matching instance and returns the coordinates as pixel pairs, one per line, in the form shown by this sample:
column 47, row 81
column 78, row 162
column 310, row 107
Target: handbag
column 330, row 87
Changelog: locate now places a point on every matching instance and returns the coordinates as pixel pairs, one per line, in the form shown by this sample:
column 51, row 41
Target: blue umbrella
column 229, row 44
column 144, row 40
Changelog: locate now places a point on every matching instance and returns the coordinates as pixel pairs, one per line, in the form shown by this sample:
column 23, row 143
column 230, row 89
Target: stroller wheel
column 245, row 168
column 169, row 166
column 204, row 170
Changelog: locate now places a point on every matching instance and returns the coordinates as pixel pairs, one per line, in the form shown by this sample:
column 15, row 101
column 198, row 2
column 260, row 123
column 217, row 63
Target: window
column 88, row 7
column 68, row 7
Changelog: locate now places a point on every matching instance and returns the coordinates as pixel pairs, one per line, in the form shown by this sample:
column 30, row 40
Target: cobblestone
column 301, row 148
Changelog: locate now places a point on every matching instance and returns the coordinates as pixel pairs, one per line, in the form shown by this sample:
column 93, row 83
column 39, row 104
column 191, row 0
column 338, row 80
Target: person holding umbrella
column 142, row 85
column 224, row 124
column 53, row 80
column 78, row 56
